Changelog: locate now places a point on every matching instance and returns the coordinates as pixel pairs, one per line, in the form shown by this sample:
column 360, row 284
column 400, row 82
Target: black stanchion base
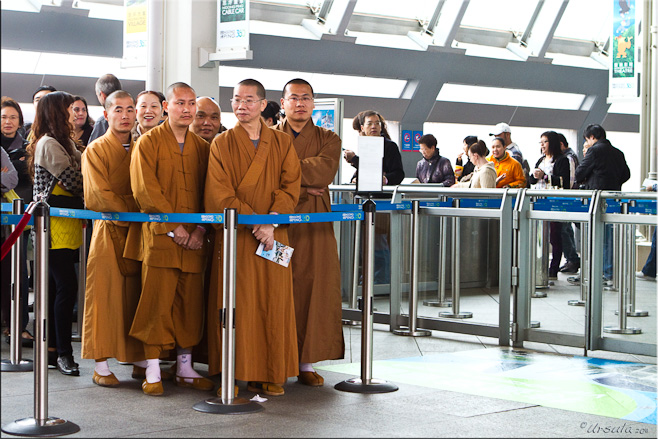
column 23, row 366
column 49, row 427
column 239, row 406
column 356, row 385
column 437, row 303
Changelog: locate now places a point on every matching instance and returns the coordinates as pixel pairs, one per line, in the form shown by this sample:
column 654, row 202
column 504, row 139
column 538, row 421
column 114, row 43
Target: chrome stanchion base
column 535, row 324
column 23, row 366
column 351, row 322
column 576, row 303
column 239, row 406
column 356, row 385
column 76, row 338
column 636, row 313
column 461, row 315
column 408, row 332
column 618, row 330
column 610, row 289
column 538, row 295
column 49, row 427
column 437, row 303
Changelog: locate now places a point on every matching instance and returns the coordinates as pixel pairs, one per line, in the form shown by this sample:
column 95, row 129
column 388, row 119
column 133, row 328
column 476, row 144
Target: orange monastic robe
column 315, row 265
column 113, row 283
column 254, row 181
column 166, row 179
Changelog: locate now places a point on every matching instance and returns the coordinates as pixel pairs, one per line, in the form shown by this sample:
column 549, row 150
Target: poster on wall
column 623, row 69
column 232, row 25
column 328, row 113
column 134, row 34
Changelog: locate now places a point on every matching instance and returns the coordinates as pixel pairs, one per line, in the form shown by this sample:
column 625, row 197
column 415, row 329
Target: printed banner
column 232, row 25
column 134, row 34
column 623, row 71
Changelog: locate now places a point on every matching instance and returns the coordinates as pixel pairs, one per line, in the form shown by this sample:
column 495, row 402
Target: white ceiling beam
column 539, row 33
column 333, row 26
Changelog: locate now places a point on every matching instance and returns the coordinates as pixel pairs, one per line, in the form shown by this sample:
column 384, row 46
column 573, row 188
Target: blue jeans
column 649, row 268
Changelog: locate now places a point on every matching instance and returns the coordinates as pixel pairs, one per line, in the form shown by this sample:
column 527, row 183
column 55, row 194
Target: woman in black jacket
column 552, row 171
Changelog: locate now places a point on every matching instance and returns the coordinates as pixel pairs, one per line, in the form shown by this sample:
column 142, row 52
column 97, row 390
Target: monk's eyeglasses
column 247, row 102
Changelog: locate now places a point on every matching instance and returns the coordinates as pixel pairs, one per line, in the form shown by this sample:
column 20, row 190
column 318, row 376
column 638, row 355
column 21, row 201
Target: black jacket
column 435, row 170
column 561, row 176
column 604, row 167
column 393, row 169
column 15, row 148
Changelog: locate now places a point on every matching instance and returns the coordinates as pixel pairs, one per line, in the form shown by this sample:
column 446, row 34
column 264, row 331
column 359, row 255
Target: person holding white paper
column 371, row 123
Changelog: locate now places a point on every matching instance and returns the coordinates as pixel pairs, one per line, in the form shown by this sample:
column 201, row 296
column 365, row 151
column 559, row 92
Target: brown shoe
column 105, row 381
column 219, row 392
column 139, row 373
column 266, row 388
column 195, row 383
column 310, row 379
column 152, row 389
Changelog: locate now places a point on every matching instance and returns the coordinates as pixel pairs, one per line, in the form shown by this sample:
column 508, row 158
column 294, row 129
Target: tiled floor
column 468, row 394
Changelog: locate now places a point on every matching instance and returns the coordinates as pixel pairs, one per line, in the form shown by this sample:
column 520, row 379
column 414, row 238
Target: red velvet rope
column 11, row 240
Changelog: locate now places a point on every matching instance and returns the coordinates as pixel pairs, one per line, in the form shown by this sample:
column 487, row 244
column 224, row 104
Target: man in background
column 105, row 86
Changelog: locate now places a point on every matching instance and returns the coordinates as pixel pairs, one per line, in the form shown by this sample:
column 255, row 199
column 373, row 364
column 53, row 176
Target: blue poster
column 406, row 140
column 323, row 118
column 417, row 136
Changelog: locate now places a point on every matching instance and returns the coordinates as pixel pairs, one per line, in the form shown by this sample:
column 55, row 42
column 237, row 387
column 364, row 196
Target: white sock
column 153, row 371
column 184, row 367
column 306, row 367
column 142, row 363
column 102, row 368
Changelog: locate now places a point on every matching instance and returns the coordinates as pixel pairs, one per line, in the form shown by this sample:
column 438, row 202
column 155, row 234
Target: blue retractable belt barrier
column 562, row 204
column 12, row 220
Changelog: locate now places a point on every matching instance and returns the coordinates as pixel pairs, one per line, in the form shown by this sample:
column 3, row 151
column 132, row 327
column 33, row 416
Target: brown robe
column 254, row 181
column 315, row 265
column 113, row 283
column 165, row 179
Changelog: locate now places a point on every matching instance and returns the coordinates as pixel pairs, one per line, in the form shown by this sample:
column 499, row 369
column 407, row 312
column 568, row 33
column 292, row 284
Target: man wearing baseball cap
column 503, row 131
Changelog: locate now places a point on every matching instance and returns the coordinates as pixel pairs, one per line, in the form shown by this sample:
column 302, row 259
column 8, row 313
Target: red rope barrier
column 11, row 240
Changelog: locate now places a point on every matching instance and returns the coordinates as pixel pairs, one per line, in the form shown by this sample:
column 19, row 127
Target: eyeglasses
column 304, row 99
column 246, row 102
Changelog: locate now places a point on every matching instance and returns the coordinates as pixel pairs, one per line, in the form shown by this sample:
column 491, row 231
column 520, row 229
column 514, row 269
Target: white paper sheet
column 371, row 162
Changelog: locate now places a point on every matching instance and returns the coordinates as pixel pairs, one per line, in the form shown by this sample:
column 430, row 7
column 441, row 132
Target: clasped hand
column 189, row 241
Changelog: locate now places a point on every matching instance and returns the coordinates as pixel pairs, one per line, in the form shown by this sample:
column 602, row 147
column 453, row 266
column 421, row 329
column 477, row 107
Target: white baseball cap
column 500, row 128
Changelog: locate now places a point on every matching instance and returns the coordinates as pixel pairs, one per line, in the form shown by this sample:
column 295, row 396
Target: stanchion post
column 367, row 384
column 632, row 257
column 18, row 260
column 412, row 329
column 441, row 280
column 624, row 264
column 227, row 403
column 456, row 271
column 41, row 424
column 353, row 299
column 584, row 260
column 617, row 245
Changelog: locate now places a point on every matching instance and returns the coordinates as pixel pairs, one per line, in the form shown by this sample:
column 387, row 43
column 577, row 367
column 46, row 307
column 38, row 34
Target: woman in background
column 54, row 160
column 83, row 124
column 468, row 167
column 149, row 112
column 484, row 173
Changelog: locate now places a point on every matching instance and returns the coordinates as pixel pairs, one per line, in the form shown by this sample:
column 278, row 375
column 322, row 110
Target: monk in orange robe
column 315, row 265
column 113, row 282
column 255, row 170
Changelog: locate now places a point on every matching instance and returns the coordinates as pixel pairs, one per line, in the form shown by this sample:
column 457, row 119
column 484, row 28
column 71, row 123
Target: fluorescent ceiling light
column 64, row 64
column 475, row 94
column 513, row 15
column 322, row 83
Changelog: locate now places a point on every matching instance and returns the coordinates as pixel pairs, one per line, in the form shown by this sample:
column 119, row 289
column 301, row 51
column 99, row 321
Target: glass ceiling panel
column 509, row 15
column 589, row 20
column 414, row 9
column 510, row 96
